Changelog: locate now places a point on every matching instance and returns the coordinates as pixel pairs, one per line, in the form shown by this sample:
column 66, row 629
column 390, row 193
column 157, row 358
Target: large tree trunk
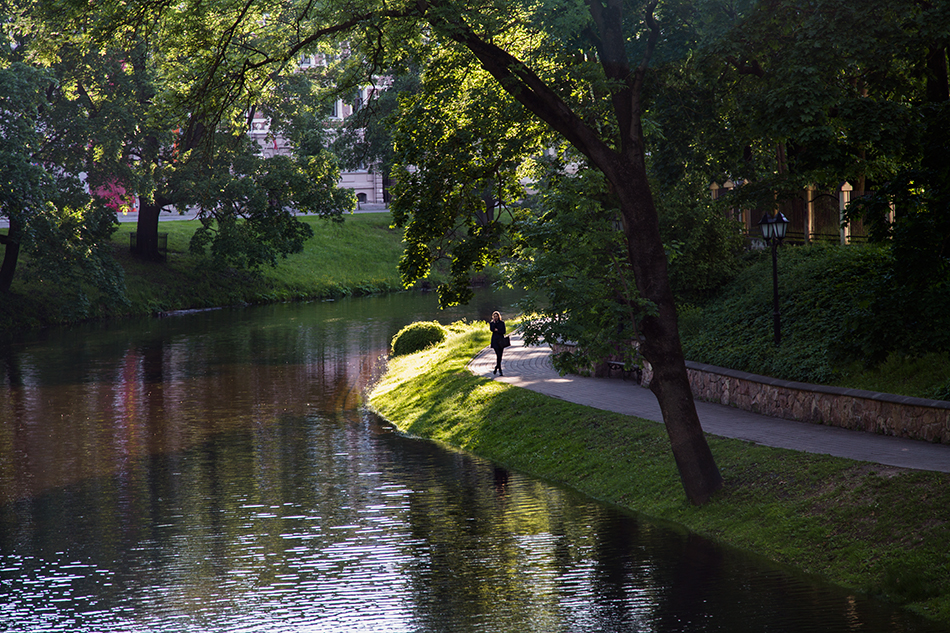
column 146, row 232
column 11, row 255
column 626, row 172
column 661, row 341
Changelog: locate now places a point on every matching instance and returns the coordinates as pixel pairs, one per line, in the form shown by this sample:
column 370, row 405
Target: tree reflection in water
column 214, row 473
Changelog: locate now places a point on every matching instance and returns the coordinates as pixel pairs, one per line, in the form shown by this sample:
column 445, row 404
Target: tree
column 562, row 60
column 134, row 69
column 617, row 149
column 52, row 219
column 247, row 204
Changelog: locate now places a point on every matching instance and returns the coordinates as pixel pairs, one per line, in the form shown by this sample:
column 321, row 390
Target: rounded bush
column 417, row 336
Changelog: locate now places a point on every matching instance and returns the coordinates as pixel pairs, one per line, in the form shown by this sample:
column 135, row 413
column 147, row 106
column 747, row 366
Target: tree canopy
column 139, row 70
column 52, row 218
column 656, row 96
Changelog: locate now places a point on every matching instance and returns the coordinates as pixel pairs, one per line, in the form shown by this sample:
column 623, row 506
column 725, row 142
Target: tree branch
column 652, row 39
column 746, row 68
column 526, row 87
column 611, row 46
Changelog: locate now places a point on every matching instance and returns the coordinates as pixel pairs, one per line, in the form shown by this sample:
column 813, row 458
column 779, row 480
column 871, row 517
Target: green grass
column 926, row 377
column 876, row 529
column 364, row 242
column 357, row 257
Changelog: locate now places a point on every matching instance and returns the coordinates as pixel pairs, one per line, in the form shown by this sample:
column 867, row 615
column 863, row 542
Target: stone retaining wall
column 914, row 418
column 884, row 413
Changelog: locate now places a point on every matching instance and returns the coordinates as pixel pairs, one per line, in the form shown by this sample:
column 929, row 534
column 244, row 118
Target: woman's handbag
column 507, row 342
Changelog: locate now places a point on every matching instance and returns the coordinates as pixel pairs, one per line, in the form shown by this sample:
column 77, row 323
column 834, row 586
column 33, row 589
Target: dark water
column 214, row 472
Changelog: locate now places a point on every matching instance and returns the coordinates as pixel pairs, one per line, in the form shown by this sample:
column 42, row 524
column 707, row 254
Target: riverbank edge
column 185, row 282
column 877, row 530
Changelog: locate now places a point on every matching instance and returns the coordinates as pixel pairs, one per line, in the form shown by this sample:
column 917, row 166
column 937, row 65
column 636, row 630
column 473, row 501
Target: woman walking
column 497, row 327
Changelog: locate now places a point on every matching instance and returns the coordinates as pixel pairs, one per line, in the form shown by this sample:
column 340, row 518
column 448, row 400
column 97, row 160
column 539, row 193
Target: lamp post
column 773, row 230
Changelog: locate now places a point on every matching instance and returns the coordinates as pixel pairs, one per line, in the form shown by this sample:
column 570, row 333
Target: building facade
column 365, row 182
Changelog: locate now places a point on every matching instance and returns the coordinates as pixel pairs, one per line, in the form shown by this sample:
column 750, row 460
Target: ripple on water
column 197, row 475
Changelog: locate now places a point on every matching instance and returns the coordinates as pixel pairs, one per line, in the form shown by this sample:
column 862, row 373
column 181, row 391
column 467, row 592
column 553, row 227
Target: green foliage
column 571, row 258
column 459, row 143
column 876, row 529
column 57, row 227
column 787, row 94
column 942, row 390
column 365, row 137
column 26, row 184
column 891, row 314
column 801, row 76
column 297, row 112
column 703, row 245
column 820, row 289
column 842, row 315
column 417, row 336
column 247, row 204
column 71, row 253
column 910, row 213
column 922, row 376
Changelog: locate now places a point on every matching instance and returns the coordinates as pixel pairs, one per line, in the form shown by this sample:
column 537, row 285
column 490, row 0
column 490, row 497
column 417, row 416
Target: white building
column 366, row 182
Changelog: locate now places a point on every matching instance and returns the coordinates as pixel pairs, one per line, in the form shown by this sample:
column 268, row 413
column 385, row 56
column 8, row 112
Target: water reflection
column 213, row 473
column 86, row 402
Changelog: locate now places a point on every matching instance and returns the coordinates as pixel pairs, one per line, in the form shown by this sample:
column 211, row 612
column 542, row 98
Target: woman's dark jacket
column 497, row 333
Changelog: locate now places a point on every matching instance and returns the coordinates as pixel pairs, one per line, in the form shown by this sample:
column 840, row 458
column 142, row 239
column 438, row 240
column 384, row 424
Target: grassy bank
column 843, row 323
column 876, row 529
column 354, row 258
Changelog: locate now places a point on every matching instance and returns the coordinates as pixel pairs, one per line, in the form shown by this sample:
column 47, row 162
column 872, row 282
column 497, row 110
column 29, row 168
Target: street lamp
column 773, row 230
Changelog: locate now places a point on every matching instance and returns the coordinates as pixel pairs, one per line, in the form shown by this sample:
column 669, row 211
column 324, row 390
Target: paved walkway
column 530, row 367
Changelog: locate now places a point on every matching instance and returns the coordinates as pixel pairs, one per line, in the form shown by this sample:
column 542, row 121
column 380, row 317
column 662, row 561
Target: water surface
column 213, row 471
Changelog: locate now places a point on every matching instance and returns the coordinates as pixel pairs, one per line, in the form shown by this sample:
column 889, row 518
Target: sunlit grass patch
column 872, row 528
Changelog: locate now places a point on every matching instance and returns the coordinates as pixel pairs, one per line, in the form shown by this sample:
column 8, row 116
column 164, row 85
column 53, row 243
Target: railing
column 815, row 216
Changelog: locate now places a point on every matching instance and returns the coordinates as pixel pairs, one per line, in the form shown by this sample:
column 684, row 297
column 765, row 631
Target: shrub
column 417, row 336
column 702, row 244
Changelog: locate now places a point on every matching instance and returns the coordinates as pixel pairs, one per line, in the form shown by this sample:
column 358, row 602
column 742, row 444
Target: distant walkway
column 530, row 367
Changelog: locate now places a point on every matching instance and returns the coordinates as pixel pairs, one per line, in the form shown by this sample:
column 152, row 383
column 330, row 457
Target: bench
column 619, row 364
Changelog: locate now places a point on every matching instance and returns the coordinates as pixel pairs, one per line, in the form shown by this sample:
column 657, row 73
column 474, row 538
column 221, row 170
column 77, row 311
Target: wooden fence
column 813, row 216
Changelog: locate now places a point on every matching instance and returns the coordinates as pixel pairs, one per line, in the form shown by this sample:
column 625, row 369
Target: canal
column 214, row 471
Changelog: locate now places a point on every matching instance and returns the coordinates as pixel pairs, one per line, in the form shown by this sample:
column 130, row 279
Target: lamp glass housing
column 779, row 224
column 773, row 227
